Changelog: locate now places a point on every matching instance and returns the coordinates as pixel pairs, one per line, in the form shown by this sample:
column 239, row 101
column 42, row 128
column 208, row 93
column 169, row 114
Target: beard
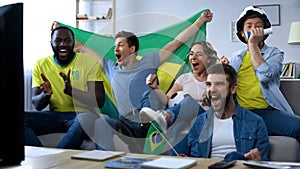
column 63, row 59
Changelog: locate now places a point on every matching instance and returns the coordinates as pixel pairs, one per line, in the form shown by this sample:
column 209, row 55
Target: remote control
column 222, row 164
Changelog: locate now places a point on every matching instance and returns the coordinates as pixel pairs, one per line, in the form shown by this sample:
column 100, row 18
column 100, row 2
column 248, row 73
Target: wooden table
column 63, row 161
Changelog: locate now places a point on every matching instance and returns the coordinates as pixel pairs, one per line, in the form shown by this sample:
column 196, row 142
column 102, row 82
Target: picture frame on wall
column 273, row 12
column 234, row 37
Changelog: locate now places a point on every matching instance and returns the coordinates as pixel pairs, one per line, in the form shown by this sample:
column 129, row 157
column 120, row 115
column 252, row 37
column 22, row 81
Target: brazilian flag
column 156, row 140
column 149, row 43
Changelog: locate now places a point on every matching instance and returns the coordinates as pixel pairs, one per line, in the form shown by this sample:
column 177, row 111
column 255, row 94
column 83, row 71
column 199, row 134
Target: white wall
column 218, row 31
column 144, row 16
column 154, row 15
column 38, row 16
column 37, row 19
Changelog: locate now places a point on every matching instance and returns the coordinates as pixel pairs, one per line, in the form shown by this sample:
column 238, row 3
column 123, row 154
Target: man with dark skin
column 70, row 83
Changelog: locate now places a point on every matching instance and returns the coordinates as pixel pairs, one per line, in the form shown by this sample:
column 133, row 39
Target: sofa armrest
column 283, row 148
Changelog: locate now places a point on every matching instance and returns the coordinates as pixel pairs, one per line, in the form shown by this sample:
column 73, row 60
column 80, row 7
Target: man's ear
column 132, row 49
column 234, row 88
column 243, row 34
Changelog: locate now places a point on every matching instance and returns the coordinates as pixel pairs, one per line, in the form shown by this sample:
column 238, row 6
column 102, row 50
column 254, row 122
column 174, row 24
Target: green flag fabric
column 152, row 42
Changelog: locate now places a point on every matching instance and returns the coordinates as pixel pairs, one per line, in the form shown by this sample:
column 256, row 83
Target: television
column 12, row 84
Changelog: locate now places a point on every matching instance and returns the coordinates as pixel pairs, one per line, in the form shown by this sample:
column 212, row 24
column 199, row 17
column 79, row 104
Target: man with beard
column 69, row 83
column 227, row 130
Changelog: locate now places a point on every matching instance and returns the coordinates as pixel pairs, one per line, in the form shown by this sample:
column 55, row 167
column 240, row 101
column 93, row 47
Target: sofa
column 282, row 148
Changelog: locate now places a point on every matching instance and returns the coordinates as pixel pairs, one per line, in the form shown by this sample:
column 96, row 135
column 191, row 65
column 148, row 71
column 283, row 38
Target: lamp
column 294, row 37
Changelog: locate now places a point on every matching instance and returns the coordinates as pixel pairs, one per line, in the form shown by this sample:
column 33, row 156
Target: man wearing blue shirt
column 227, row 130
column 259, row 67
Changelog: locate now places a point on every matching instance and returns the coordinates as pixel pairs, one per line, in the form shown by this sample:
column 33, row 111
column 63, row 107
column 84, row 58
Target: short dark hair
column 131, row 38
column 63, row 27
column 226, row 69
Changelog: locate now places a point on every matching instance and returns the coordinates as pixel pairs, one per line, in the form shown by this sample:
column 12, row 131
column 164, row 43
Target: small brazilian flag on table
column 156, row 140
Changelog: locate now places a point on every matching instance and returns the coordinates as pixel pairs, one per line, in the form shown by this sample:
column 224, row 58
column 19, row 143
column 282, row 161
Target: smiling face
column 62, row 43
column 198, row 59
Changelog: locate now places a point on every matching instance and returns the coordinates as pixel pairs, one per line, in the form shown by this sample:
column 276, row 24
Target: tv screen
column 12, row 84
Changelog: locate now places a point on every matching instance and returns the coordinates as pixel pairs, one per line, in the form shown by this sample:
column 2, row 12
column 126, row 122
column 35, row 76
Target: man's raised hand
column 46, row 85
column 66, row 78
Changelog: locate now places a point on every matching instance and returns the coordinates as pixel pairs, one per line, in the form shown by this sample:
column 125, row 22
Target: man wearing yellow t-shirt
column 71, row 84
column 259, row 68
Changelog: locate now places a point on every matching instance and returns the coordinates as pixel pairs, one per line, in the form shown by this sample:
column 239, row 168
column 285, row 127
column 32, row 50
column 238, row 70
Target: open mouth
column 118, row 56
column 63, row 52
column 215, row 99
column 195, row 64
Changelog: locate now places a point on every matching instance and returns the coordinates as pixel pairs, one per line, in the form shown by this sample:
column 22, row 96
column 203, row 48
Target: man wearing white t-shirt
column 227, row 130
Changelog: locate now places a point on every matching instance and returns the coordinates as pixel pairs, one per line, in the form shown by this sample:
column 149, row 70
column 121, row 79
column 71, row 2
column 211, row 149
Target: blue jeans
column 45, row 122
column 128, row 128
column 279, row 122
column 131, row 133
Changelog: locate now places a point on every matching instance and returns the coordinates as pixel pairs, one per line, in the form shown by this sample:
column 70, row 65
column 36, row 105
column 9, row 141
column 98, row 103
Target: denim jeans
column 131, row 134
column 45, row 122
column 279, row 122
column 126, row 128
